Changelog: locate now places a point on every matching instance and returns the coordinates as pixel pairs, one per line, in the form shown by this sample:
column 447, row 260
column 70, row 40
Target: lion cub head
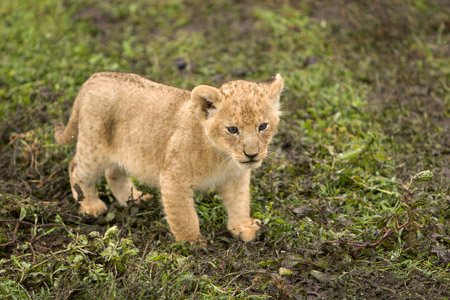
column 240, row 117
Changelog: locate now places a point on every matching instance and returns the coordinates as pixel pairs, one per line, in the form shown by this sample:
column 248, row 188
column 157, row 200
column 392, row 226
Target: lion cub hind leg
column 121, row 185
column 82, row 180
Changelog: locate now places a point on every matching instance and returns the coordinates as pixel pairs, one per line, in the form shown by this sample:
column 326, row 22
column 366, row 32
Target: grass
column 347, row 211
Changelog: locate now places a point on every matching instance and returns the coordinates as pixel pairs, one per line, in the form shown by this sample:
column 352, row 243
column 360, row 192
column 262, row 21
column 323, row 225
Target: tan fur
column 178, row 140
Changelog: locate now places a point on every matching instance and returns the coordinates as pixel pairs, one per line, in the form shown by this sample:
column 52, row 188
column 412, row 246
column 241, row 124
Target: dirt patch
column 380, row 21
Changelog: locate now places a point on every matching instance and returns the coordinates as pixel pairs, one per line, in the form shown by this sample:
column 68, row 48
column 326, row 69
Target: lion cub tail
column 68, row 134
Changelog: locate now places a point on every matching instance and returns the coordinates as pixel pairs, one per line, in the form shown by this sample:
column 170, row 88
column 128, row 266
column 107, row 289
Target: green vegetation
column 346, row 211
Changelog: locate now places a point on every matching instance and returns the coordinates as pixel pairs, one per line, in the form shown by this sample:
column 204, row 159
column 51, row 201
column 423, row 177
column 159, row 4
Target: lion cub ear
column 205, row 98
column 275, row 86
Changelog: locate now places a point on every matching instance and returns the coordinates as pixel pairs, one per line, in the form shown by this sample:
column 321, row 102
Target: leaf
column 350, row 154
column 284, row 271
column 268, row 263
column 23, row 213
column 78, row 258
column 305, row 210
column 113, row 231
column 323, row 277
column 94, row 234
column 291, row 261
column 110, row 217
column 422, row 176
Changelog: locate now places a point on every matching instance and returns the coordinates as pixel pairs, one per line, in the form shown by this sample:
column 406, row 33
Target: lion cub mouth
column 250, row 162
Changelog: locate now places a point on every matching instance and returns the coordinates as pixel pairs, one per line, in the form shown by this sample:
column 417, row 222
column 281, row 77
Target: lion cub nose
column 251, row 156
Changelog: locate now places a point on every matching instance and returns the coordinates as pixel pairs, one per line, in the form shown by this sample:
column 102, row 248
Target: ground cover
column 347, row 209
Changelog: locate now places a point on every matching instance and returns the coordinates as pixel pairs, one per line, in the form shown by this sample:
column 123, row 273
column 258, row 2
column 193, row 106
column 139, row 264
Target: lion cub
column 178, row 140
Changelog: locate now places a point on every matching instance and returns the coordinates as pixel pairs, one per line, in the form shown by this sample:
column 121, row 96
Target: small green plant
column 409, row 217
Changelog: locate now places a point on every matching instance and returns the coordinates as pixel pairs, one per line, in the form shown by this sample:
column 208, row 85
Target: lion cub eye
column 233, row 130
column 262, row 126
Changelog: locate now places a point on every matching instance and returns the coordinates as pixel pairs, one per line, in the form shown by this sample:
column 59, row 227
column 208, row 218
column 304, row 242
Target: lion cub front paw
column 246, row 231
column 92, row 207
